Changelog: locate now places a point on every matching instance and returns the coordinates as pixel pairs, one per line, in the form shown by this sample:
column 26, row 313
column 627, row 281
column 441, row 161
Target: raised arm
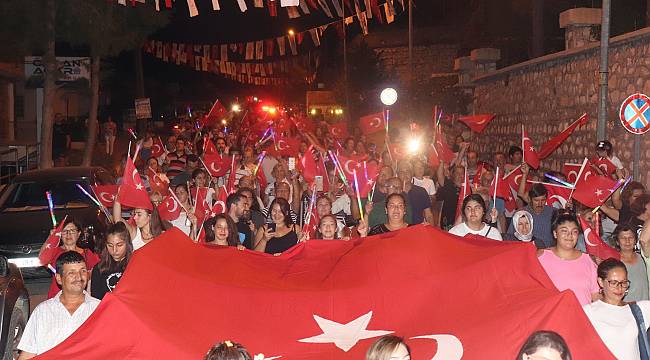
column 117, row 216
column 521, row 192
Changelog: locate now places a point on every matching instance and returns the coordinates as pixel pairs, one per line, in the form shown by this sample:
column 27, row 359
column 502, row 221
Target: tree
column 32, row 27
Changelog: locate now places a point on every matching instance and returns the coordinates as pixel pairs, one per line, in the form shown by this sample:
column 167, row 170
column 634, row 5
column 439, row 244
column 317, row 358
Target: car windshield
column 31, row 195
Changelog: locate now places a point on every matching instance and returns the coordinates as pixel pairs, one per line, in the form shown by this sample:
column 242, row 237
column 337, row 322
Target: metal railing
column 18, row 158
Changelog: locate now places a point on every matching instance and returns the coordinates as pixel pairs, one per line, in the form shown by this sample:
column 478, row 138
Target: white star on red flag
column 344, row 336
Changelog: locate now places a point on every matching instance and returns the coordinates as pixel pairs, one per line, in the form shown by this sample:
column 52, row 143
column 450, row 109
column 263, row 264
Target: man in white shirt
column 57, row 318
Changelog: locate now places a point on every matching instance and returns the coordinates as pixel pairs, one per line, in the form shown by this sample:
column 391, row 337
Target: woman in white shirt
column 473, row 210
column 611, row 316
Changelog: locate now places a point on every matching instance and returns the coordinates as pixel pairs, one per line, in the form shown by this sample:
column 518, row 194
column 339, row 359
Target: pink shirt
column 578, row 275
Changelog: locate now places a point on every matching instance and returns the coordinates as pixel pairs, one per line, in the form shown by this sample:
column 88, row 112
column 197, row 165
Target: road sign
column 635, row 114
column 142, row 108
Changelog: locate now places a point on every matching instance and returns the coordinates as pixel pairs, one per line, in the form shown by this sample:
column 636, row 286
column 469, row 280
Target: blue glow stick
column 554, row 178
column 88, row 195
column 50, row 205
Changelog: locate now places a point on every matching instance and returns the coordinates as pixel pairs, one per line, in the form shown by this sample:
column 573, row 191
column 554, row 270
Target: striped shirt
column 176, row 164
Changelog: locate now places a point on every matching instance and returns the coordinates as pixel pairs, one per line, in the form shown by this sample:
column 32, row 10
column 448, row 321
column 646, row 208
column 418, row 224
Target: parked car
column 25, row 221
column 14, row 300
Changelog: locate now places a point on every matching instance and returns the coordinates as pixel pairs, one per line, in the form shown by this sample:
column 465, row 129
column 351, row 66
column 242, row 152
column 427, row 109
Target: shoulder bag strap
column 644, row 347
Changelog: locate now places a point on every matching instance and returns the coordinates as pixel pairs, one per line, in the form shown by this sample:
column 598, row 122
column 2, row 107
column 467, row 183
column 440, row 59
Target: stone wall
column 428, row 60
column 548, row 93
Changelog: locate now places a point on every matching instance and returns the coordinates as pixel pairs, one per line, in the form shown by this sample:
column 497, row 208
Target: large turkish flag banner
column 449, row 297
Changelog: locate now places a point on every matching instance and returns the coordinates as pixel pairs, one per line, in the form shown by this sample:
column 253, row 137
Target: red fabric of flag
column 157, row 149
column 557, row 195
column 308, row 167
column 550, row 146
column 285, row 146
column 465, row 190
column 339, row 130
column 477, row 123
column 169, row 209
column 201, row 205
column 372, row 123
column 132, row 192
column 105, row 194
column 51, row 244
column 530, row 154
column 216, row 114
column 571, row 172
column 208, row 147
column 595, row 245
column 216, row 164
column 443, row 150
column 604, row 165
column 157, row 183
column 332, row 300
column 594, row 191
column 304, row 124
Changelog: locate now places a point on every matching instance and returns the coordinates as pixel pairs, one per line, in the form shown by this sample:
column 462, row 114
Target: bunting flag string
column 294, row 8
column 203, row 58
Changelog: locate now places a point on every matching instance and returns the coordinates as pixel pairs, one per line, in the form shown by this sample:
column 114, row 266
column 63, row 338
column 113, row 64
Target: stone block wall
column 548, row 93
column 428, row 60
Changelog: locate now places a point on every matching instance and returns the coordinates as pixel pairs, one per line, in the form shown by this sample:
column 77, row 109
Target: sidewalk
column 100, row 158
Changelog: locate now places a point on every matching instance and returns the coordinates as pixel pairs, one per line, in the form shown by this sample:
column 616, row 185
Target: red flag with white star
column 132, row 192
column 339, row 130
column 595, row 245
column 201, row 206
column 372, row 123
column 333, row 299
column 530, row 154
column 477, row 123
column 51, row 244
column 105, row 194
column 169, row 209
column 217, row 165
column 157, row 149
column 604, row 165
column 595, row 190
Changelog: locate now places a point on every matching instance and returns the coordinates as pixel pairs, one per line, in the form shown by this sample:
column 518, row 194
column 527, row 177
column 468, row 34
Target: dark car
column 14, row 300
column 25, row 221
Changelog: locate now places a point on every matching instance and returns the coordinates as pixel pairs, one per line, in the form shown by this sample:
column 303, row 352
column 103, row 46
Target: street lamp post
column 388, row 97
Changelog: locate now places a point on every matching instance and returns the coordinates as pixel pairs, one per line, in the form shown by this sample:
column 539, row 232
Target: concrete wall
column 548, row 93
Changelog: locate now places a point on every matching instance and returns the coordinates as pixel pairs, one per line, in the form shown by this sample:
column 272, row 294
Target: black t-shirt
column 282, row 243
column 449, row 194
column 101, row 283
column 419, row 200
column 245, row 231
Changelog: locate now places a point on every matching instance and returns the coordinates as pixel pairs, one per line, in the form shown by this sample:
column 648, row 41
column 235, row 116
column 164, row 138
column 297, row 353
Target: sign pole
column 637, row 157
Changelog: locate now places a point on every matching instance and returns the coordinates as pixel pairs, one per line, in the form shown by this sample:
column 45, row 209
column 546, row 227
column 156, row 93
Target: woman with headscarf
column 522, row 229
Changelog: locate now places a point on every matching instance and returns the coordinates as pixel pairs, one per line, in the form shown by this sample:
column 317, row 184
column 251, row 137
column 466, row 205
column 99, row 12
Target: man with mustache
column 57, row 318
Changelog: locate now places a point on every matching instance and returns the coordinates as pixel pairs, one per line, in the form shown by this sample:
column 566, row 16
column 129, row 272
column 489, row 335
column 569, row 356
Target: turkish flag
column 216, row 164
column 595, row 190
column 571, row 172
column 51, row 244
column 372, row 123
column 285, row 146
column 557, row 194
column 331, row 300
column 157, row 149
column 366, row 176
column 349, row 164
column 281, row 125
column 604, row 165
column 443, row 151
column 132, row 192
column 216, row 114
column 105, row 194
column 208, row 147
column 304, row 124
column 465, row 190
column 477, row 123
column 232, row 176
column 530, row 155
column 156, row 182
column 201, row 205
column 339, row 130
column 550, row 146
column 261, row 178
column 169, row 209
column 595, row 245
column 219, row 206
column 308, row 167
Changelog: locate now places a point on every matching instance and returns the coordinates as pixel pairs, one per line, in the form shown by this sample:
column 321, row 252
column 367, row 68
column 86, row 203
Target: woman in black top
column 114, row 257
column 395, row 211
column 280, row 235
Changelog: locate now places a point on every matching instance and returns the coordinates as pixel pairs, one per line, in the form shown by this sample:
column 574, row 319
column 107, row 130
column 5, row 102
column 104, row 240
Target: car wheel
column 15, row 333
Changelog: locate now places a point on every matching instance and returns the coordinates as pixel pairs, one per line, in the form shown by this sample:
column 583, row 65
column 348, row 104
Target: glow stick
column 310, row 208
column 627, row 181
column 88, row 195
column 128, row 152
column 496, row 186
column 260, row 158
column 372, row 193
column 549, row 184
column 132, row 133
column 356, row 185
column 554, row 178
column 264, row 135
column 103, row 208
column 137, row 151
column 50, row 205
column 365, row 169
column 338, row 167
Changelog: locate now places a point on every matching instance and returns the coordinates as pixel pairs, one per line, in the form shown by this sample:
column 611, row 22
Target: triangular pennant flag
column 286, row 3
column 191, row 5
column 390, row 17
column 259, row 50
column 292, row 45
column 281, row 45
column 292, row 12
column 315, row 38
column 242, row 5
column 337, row 7
column 215, row 5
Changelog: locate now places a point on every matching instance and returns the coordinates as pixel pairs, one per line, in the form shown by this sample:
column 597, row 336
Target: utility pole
column 410, row 49
column 601, row 130
column 345, row 65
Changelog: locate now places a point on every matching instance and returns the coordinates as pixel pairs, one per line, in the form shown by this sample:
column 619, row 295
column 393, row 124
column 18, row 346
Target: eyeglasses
column 614, row 284
column 69, row 232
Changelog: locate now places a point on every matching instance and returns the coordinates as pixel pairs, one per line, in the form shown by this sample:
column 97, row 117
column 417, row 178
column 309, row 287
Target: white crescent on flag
column 173, row 209
column 156, row 148
column 375, row 122
column 587, row 235
column 518, row 178
column 346, row 166
column 336, row 131
column 222, row 205
column 215, row 170
column 559, row 199
column 282, row 145
column 106, row 197
column 587, row 174
column 481, row 122
column 572, row 175
column 449, row 346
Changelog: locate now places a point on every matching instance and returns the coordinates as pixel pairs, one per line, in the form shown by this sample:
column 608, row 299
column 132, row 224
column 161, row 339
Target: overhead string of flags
column 363, row 9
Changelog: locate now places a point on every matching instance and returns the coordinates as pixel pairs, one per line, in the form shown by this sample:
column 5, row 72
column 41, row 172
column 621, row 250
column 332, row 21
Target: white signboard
column 143, row 108
column 70, row 68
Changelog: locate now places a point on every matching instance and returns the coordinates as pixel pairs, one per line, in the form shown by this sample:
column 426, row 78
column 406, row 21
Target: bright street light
column 388, row 96
column 236, row 108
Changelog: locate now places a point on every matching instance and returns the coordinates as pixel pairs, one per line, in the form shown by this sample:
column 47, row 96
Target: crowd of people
column 269, row 201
